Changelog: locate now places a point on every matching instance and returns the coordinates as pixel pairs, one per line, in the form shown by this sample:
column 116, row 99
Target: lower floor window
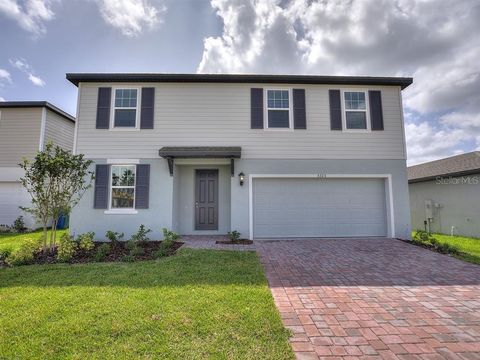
column 123, row 186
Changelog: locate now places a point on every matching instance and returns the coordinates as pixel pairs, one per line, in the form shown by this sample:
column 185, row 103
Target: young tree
column 56, row 180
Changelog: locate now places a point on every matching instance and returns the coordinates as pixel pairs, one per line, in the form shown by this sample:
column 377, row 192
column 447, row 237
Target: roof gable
column 456, row 165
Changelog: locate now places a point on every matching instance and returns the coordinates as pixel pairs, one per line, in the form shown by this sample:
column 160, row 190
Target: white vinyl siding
column 19, row 134
column 59, row 130
column 219, row 115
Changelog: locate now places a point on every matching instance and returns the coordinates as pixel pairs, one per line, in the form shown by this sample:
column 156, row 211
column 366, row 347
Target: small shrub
column 5, row 229
column 421, row 235
column 19, row 224
column 163, row 250
column 114, row 237
column 85, row 241
column 137, row 251
column 128, row 258
column 166, row 246
column 25, row 254
column 234, row 235
column 169, row 235
column 130, row 245
column 66, row 248
column 5, row 253
column 140, row 237
column 102, row 252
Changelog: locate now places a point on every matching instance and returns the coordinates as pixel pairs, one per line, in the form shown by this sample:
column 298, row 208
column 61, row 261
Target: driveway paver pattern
column 373, row 298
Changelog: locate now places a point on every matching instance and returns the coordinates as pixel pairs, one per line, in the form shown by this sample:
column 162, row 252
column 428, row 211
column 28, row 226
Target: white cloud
column 36, row 80
column 131, row 17
column 30, row 15
column 22, row 65
column 5, row 77
column 2, row 99
column 436, row 42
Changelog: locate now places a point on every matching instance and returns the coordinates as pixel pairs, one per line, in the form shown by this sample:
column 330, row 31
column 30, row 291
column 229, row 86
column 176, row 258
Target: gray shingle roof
column 76, row 78
column 33, row 104
column 458, row 165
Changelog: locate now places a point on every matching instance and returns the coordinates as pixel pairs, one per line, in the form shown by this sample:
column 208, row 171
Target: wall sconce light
column 241, row 177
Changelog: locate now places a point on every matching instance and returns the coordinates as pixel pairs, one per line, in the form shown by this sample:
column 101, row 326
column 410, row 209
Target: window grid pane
column 123, row 186
column 277, row 99
column 355, row 100
column 356, row 120
column 126, row 98
column 278, row 119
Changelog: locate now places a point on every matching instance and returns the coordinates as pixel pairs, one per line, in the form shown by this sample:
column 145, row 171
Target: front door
column 206, row 200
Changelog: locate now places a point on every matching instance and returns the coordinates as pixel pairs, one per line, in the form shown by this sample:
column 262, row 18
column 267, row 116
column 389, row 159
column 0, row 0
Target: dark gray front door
column 206, row 200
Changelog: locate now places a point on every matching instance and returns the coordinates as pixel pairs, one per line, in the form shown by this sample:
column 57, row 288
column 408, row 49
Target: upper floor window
column 125, row 110
column 123, row 186
column 278, row 109
column 355, row 107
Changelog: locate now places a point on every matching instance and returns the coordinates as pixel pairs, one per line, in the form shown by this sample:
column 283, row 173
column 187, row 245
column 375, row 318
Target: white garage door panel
column 296, row 207
column 12, row 195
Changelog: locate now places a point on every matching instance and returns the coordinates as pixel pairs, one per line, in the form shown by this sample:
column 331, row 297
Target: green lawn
column 13, row 241
column 195, row 305
column 467, row 245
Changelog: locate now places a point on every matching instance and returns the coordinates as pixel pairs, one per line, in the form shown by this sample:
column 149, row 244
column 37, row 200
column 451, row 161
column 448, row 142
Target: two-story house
column 272, row 156
column 25, row 128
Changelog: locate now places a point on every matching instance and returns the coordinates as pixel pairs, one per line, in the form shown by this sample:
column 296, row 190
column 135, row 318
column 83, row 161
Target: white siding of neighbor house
column 458, row 201
column 59, row 130
column 19, row 134
column 192, row 114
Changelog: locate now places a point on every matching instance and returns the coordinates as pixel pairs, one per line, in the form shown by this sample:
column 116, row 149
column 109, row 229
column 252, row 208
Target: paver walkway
column 374, row 298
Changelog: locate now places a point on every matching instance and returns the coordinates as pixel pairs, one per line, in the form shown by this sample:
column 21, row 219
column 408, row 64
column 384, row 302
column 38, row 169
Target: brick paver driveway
column 378, row 298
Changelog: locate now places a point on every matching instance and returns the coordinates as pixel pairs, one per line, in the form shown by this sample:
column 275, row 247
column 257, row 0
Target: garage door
column 313, row 207
column 12, row 195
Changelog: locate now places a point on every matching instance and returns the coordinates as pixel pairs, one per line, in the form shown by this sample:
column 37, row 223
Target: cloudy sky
column 435, row 41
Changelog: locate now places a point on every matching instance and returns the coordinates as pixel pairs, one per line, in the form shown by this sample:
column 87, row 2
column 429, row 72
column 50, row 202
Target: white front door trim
column 387, row 177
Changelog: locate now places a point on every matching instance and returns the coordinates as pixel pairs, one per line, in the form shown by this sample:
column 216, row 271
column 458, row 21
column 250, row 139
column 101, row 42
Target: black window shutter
column 299, row 111
column 101, row 187
column 335, row 110
column 376, row 112
column 142, row 186
column 103, row 107
column 146, row 115
column 256, row 103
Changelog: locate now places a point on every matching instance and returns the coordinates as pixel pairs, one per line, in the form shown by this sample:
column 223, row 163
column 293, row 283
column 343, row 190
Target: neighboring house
column 445, row 195
column 270, row 156
column 25, row 128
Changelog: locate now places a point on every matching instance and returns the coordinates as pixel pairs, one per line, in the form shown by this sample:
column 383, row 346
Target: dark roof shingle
column 456, row 165
column 76, row 78
column 34, row 104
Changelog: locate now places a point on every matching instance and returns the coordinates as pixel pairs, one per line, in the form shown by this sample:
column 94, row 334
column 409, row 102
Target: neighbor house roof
column 76, row 78
column 34, row 104
column 458, row 165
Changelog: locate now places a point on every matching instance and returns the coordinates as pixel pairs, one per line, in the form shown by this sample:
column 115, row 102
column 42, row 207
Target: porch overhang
column 170, row 153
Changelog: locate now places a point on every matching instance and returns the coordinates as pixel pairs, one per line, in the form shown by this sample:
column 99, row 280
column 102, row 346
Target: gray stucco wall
column 459, row 205
column 184, row 199
column 163, row 191
column 85, row 218
column 397, row 168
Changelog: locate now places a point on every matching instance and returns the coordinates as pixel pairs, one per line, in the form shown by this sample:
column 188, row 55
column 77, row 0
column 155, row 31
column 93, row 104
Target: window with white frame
column 125, row 108
column 355, row 104
column 278, row 109
column 123, row 186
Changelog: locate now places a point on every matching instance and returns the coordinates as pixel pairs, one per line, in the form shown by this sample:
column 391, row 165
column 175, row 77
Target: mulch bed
column 116, row 254
column 238, row 242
